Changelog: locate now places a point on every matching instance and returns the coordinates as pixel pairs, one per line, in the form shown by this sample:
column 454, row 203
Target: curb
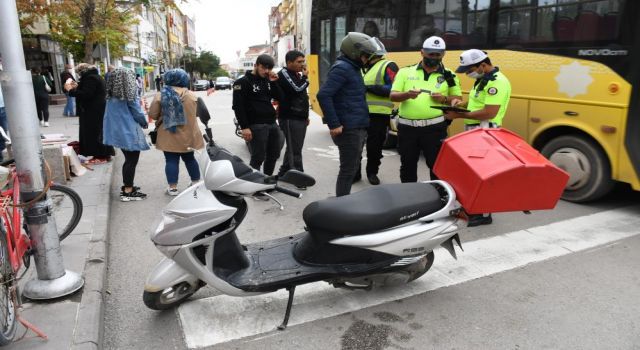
column 89, row 330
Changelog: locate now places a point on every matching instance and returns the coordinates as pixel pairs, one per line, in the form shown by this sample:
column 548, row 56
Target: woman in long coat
column 90, row 96
column 174, row 109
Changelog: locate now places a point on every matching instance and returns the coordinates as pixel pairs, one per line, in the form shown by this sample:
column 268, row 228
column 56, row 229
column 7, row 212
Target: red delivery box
column 494, row 170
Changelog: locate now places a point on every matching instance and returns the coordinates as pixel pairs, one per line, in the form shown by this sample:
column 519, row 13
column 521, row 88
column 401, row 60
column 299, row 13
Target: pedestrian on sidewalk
column 123, row 124
column 91, row 94
column 174, row 110
column 41, row 88
column 293, row 115
column 158, row 83
column 69, row 108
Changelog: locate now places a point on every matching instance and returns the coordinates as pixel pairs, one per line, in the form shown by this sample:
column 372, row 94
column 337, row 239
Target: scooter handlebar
column 288, row 192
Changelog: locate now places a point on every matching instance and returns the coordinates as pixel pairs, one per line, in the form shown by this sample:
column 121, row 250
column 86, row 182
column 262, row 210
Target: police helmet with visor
column 354, row 45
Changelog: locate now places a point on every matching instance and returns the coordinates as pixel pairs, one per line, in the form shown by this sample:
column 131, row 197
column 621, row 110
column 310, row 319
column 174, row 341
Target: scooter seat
column 376, row 208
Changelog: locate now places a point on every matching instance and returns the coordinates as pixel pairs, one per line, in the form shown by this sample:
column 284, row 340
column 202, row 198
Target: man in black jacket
column 252, row 96
column 294, row 109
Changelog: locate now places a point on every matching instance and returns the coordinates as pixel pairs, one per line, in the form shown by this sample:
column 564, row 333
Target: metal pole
column 108, row 55
column 53, row 280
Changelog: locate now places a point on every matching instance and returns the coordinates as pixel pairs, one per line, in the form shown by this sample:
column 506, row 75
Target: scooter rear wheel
column 169, row 297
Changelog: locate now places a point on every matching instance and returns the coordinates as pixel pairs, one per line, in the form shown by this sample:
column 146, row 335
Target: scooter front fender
column 168, row 273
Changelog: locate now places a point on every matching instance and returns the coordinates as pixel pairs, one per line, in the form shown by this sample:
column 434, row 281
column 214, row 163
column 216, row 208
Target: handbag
column 46, row 86
column 153, row 134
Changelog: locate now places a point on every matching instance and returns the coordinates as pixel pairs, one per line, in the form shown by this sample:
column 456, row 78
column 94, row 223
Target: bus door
column 333, row 27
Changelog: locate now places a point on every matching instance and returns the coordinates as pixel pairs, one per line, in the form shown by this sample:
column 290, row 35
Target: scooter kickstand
column 283, row 326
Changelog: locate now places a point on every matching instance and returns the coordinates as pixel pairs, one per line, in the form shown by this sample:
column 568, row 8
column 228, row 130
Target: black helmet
column 357, row 44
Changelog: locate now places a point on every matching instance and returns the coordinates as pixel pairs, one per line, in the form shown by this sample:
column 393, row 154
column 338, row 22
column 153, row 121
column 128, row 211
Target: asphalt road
column 584, row 299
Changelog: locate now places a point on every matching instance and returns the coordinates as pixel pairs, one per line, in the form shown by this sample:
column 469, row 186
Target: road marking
column 219, row 319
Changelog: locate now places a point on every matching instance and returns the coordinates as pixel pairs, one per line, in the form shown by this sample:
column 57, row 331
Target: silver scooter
column 384, row 235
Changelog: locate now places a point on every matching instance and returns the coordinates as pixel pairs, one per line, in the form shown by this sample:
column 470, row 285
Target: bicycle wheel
column 7, row 304
column 66, row 206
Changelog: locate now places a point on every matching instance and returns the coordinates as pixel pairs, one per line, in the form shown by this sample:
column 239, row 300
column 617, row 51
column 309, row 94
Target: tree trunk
column 87, row 21
column 88, row 51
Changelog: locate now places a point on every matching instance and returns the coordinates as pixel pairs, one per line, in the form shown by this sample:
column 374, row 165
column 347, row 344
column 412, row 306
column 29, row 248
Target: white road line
column 214, row 320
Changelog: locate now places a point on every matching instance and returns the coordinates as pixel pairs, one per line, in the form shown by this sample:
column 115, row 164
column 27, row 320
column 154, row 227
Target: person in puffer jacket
column 343, row 103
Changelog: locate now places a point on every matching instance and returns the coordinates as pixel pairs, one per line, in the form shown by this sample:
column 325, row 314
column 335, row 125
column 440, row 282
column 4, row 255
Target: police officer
column 420, row 127
column 252, row 95
column 488, row 101
column 489, row 97
column 378, row 79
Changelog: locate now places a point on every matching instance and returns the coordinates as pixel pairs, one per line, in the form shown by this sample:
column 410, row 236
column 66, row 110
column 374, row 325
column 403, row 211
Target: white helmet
column 434, row 44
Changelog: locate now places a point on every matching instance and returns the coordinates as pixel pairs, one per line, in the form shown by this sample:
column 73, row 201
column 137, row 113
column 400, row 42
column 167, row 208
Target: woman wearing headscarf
column 90, row 96
column 123, row 124
column 174, row 110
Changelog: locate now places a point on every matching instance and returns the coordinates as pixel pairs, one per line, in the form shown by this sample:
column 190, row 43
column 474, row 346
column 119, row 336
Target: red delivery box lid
column 494, row 170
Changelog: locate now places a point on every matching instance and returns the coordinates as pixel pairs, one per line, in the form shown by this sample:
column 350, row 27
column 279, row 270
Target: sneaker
column 373, row 179
column 135, row 189
column 46, row 124
column 42, row 123
column 479, row 219
column 302, row 188
column 173, row 191
column 132, row 196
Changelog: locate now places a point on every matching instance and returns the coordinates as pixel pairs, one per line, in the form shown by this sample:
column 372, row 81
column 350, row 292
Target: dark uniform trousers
column 415, row 139
column 376, row 134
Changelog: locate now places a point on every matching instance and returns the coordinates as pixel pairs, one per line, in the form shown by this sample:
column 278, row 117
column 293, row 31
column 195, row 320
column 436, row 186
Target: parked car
column 201, row 85
column 223, row 83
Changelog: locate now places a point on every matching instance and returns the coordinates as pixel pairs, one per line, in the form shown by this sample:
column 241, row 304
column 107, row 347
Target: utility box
column 494, row 170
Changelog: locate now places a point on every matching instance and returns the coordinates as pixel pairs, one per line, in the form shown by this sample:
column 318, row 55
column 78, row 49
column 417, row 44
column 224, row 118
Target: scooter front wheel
column 169, row 297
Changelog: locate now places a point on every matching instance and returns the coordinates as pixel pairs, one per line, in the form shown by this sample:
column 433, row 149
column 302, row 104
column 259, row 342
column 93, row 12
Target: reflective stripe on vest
column 375, row 76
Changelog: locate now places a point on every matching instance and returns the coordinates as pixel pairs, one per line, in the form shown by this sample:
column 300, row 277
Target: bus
column 570, row 63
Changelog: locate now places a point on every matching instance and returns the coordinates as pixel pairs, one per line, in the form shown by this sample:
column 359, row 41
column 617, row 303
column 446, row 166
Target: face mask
column 431, row 62
column 475, row 75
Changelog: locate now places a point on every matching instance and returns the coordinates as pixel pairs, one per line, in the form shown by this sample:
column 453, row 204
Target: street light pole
column 53, row 280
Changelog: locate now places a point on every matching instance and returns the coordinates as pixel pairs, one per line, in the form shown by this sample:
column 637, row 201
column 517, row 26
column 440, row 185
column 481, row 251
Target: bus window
column 573, row 21
column 380, row 19
column 325, row 47
column 475, row 27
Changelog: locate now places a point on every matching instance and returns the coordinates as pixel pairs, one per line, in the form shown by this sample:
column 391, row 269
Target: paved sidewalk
column 75, row 321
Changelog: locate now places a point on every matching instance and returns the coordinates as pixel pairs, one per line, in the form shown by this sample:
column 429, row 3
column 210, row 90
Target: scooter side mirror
column 297, row 178
column 203, row 112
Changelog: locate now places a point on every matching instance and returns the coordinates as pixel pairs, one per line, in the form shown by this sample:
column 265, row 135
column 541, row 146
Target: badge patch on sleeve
column 492, row 91
column 237, row 87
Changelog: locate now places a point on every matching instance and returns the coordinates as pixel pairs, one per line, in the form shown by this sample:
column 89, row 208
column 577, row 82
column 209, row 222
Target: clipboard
column 451, row 109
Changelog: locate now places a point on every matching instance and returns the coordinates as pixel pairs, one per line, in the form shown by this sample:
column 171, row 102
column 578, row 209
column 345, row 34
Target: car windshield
column 223, row 80
column 203, row 82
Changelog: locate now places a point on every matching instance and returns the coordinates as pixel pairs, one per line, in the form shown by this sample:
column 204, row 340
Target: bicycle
column 66, row 205
column 15, row 251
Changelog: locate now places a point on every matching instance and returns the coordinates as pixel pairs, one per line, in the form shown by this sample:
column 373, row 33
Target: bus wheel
column 587, row 165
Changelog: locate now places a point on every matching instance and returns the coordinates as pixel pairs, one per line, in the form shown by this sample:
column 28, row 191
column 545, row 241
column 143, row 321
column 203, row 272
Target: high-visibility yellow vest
column 375, row 76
